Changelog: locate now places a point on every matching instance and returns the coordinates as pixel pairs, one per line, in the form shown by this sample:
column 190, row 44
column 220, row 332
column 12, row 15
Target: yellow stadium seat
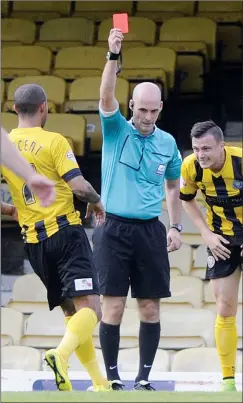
column 40, row 10
column 84, row 94
column 221, row 11
column 9, row 121
column 2, row 91
column 12, row 323
column 21, row 358
column 191, row 29
column 44, row 329
column 234, row 144
column 191, row 234
column 163, row 10
column 192, row 61
column 4, row 8
column 187, row 328
column 30, row 299
column 129, row 330
column 99, row 10
column 200, row 262
column 80, row 61
column 150, row 63
column 54, row 87
column 128, row 360
column 209, row 298
column 181, row 261
column 203, row 359
column 186, row 291
column 25, row 61
column 72, row 126
column 141, row 31
column 66, row 32
column 230, row 37
column 17, row 32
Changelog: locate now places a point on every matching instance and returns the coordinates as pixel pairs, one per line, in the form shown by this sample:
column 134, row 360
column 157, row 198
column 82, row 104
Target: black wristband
column 113, row 56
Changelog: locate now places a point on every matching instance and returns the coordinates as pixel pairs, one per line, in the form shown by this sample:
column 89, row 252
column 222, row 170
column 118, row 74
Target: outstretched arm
column 108, row 102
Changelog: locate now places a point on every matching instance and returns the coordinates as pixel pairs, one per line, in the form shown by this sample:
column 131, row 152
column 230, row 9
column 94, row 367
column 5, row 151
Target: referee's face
column 145, row 114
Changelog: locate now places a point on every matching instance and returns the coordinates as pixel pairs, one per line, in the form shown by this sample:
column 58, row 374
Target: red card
column 120, row 21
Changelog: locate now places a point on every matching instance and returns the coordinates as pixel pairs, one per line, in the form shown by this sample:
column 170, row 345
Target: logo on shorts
column 160, row 170
column 70, row 156
column 82, row 284
column 211, row 262
column 237, row 184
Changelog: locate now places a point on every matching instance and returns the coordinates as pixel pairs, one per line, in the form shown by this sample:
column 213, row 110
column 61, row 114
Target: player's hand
column 98, row 210
column 115, row 40
column 43, row 188
column 241, row 250
column 173, row 240
column 216, row 243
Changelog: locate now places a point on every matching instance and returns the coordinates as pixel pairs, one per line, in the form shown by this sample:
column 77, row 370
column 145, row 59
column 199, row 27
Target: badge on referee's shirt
column 160, row 170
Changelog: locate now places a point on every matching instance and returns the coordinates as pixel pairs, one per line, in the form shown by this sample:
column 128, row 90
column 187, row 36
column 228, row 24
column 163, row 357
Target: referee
column 138, row 161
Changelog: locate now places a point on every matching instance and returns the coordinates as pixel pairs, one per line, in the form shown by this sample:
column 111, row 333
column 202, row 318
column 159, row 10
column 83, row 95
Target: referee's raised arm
column 108, row 102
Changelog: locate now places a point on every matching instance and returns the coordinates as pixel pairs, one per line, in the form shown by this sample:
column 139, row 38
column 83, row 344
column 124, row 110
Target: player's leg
column 112, row 254
column 226, row 290
column 71, row 252
column 86, row 352
column 150, row 282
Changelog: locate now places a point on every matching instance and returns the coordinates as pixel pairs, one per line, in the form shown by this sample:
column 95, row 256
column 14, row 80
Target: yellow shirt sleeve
column 188, row 187
column 64, row 159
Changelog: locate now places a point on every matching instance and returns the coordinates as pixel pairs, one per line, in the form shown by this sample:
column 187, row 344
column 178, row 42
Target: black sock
column 109, row 341
column 149, row 335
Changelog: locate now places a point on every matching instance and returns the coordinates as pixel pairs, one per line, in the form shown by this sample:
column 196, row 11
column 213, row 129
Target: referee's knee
column 149, row 310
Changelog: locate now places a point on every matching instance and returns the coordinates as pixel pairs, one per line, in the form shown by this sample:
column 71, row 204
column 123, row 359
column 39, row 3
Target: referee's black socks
column 149, row 335
column 109, row 341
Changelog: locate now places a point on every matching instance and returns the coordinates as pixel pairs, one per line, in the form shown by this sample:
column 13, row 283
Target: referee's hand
column 98, row 210
column 115, row 40
column 173, row 240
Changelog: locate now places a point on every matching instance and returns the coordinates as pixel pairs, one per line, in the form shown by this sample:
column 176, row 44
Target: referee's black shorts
column 64, row 263
column 132, row 252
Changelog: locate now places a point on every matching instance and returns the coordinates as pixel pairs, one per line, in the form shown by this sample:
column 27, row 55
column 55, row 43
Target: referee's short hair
column 28, row 98
column 207, row 127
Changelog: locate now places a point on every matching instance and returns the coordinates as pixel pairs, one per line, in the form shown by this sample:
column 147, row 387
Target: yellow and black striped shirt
column 222, row 191
column 51, row 155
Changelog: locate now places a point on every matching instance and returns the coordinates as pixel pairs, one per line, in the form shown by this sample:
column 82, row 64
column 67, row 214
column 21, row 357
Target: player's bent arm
column 108, row 102
column 12, row 159
column 193, row 211
column 83, row 190
column 173, row 202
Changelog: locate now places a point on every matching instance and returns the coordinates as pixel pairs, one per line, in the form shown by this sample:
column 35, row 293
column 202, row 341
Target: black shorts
column 64, row 263
column 224, row 268
column 132, row 252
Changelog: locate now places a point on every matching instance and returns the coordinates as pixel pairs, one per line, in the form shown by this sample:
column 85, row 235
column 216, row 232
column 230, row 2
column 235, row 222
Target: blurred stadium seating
column 193, row 50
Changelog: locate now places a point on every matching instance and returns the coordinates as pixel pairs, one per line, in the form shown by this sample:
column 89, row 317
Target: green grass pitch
column 48, row 397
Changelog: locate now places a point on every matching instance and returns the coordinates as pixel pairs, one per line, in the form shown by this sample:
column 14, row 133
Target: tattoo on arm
column 89, row 195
